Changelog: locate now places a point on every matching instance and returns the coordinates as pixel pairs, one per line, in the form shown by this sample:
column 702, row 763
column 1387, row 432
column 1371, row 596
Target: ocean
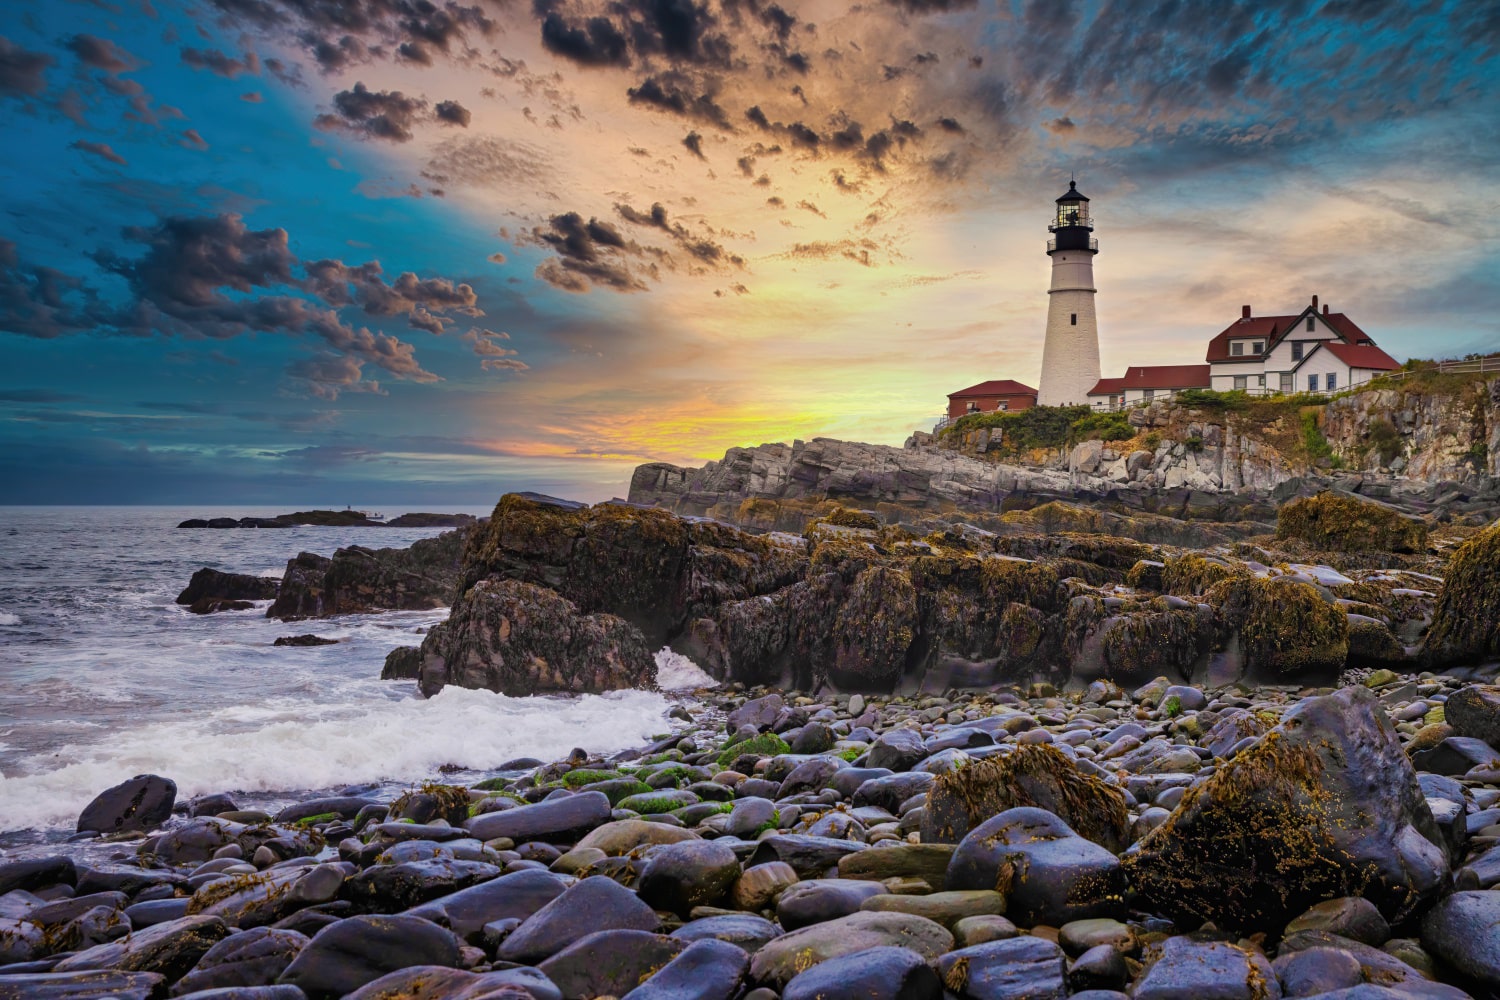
column 103, row 677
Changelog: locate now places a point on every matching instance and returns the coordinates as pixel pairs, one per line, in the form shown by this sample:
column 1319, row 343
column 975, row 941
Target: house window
column 1312, row 324
column 1148, row 394
column 1114, row 402
column 973, row 407
column 1312, row 383
column 1286, row 381
column 1236, row 349
column 1259, row 347
column 1003, row 405
column 1297, row 350
column 1260, row 381
column 1075, row 319
column 1240, row 383
column 1332, row 381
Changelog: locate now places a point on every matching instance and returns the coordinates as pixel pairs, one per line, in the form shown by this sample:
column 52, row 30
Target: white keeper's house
column 1312, row 351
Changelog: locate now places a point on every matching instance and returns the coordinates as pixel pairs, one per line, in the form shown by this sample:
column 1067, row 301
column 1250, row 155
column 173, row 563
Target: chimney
column 1315, row 303
column 1244, row 313
column 1325, row 309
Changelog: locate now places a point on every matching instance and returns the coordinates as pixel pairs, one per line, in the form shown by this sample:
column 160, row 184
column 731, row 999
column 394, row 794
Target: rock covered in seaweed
column 1334, row 521
column 357, row 580
column 1466, row 622
column 1325, row 805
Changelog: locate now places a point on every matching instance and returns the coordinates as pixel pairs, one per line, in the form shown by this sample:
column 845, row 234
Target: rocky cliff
column 1426, row 447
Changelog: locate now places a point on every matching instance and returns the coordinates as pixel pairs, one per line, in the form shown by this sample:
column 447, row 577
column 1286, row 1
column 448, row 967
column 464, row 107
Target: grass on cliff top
column 1045, row 427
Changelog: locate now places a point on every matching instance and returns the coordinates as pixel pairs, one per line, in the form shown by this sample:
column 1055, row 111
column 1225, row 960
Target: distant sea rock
column 227, row 586
column 333, row 519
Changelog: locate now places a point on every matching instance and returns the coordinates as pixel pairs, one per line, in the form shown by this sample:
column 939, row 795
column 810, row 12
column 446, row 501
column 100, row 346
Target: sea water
column 103, row 676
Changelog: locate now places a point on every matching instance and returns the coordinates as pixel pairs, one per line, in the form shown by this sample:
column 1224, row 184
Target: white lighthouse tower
column 1070, row 358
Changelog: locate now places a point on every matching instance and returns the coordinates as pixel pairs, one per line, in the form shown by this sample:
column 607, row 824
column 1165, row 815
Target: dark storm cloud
column 100, row 53
column 99, row 149
column 213, row 277
column 681, row 32
column 593, row 42
column 373, row 114
column 704, row 251
column 679, row 94
column 590, row 254
column 932, row 6
column 221, row 64
column 693, row 142
column 452, row 113
column 343, row 33
column 21, row 71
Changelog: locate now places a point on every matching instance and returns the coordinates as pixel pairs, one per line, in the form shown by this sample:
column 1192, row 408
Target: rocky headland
column 1185, row 710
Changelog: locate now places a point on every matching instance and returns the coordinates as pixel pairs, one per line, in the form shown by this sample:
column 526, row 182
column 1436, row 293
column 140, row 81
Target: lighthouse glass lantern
column 1072, row 210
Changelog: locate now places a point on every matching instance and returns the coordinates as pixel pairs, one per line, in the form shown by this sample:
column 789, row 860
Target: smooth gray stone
column 1213, row 970
column 256, row 957
column 88, row 985
column 562, row 819
column 594, row 904
column 884, row 973
column 514, row 896
column 609, row 963
column 745, row 931
column 1464, row 931
column 346, row 955
column 1021, row 968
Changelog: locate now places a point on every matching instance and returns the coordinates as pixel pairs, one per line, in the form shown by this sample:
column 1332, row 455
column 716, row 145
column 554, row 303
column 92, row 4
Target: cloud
column 101, row 53
column 679, row 31
column 99, row 149
column 492, row 356
column 592, row 42
column 487, row 161
column 589, row 254
column 453, row 113
column 252, row 97
column 701, row 249
column 22, row 71
column 693, row 142
column 339, row 34
column 326, row 376
column 864, row 251
column 373, row 114
column 220, row 64
column 679, row 94
column 192, row 140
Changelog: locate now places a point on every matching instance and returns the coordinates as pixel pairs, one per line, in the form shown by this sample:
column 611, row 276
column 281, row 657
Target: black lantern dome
column 1073, row 223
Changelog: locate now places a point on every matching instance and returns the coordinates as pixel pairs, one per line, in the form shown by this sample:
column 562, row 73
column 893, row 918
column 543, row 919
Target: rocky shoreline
column 1167, row 842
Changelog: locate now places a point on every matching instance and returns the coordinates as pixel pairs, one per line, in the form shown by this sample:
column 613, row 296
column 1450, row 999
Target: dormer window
column 1312, row 324
column 1237, row 349
column 1258, row 347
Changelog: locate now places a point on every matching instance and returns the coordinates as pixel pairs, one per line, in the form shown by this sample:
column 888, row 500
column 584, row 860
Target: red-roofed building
column 1312, row 351
column 1144, row 383
column 987, row 397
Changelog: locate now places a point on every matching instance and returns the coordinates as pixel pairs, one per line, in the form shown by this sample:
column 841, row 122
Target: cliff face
column 1407, row 445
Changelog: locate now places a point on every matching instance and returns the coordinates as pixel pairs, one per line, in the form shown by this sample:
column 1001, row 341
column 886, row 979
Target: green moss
column 587, row 776
column 648, row 805
column 1384, row 439
column 764, row 745
column 1466, row 620
column 851, row 754
column 769, row 824
column 1172, row 707
column 492, row 785
column 1332, row 521
column 669, row 755
column 1314, row 444
column 314, row 820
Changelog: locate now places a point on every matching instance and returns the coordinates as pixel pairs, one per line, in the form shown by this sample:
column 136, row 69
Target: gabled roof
column 1273, row 329
column 1155, row 377
column 995, row 387
column 1355, row 356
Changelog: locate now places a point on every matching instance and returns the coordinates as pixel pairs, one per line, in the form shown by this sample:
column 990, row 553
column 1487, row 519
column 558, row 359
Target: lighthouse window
column 1075, row 319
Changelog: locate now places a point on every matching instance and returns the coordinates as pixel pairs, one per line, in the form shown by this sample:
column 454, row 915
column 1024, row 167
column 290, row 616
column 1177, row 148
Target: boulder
column 563, row 818
column 899, row 750
column 435, row 982
column 81, row 985
column 1038, row 775
column 358, row 580
column 1285, row 626
column 1183, row 969
column 625, row 835
column 1022, row 968
column 1334, row 521
column 142, row 803
column 520, row 638
column 1325, row 805
column 256, row 957
column 1474, row 712
column 810, row 857
column 609, row 963
column 256, row 900
column 37, row 873
column 354, row 951
column 593, row 904
column 778, row 961
column 743, row 930
column 170, row 948
column 391, row 888
column 1048, row 874
column 818, row 900
column 882, row 973
column 211, row 583
column 678, row 877
column 1466, row 621
column 511, row 897
column 1464, row 931
column 707, row 969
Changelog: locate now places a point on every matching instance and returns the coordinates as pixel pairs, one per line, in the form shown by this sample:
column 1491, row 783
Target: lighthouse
column 1070, row 357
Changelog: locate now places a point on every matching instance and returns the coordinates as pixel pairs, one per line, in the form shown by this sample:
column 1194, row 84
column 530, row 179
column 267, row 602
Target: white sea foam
column 6, row 618
column 314, row 746
column 675, row 672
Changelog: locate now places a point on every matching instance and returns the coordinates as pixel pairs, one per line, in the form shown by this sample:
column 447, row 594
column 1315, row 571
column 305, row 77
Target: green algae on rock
column 1333, row 521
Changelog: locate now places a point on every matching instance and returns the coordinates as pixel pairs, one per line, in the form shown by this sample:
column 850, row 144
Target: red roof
column 1362, row 356
column 1155, row 377
column 995, row 387
column 1106, row 386
column 1272, row 329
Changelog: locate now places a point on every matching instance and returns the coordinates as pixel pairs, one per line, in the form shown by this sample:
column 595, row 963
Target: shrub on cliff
column 1331, row 521
column 1466, row 621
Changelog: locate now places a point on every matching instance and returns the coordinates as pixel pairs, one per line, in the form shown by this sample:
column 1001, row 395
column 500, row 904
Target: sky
column 427, row 251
